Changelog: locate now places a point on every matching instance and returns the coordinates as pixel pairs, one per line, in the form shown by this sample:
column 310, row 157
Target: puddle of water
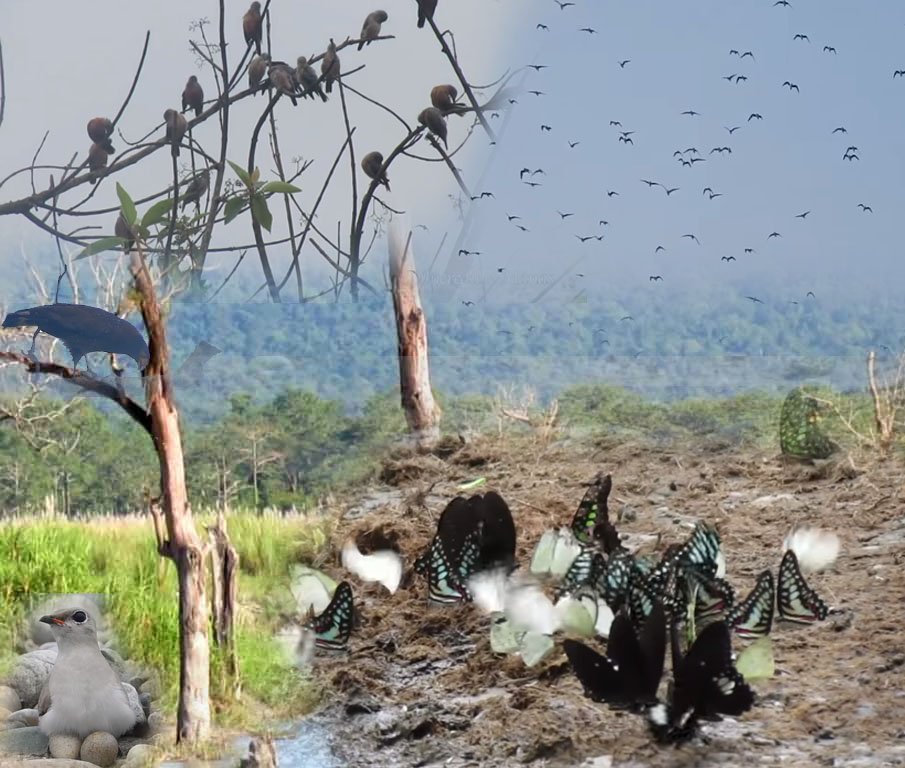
column 308, row 747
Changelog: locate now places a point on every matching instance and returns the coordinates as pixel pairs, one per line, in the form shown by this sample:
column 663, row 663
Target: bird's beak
column 52, row 620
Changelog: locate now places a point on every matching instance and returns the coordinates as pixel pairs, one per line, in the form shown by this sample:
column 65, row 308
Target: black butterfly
column 628, row 676
column 334, row 625
column 753, row 617
column 797, row 602
column 706, row 685
column 584, row 570
column 457, row 522
column 497, row 532
column 657, row 587
column 591, row 521
column 446, row 580
column 713, row 597
column 612, row 581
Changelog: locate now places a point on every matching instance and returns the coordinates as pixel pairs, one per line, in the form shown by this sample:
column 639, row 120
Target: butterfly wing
column 580, row 572
column 753, row 617
column 652, row 642
column 612, row 581
column 702, row 550
column 591, row 521
column 597, row 674
column 713, row 597
column 497, row 547
column 444, row 582
column 796, row 600
column 333, row 627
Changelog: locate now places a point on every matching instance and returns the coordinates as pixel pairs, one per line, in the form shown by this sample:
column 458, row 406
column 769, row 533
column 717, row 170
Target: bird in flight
column 727, row 258
column 651, row 183
column 562, row 6
column 865, row 208
column 463, row 252
column 802, row 216
column 468, row 303
column 691, row 113
column 840, row 129
column 747, row 53
column 802, row 37
column 611, row 192
column 573, row 144
column 721, row 150
column 810, row 294
column 627, row 140
column 513, row 218
column 589, row 30
column 782, row 2
column 671, row 190
column 626, row 317
column 715, row 194
column 773, row 234
column 755, row 116
column 654, row 278
column 749, row 250
column 532, row 183
column 829, row 49
column 692, row 237
column 729, row 77
column 615, row 122
column 564, row 215
column 733, row 129
column 898, row 73
column 754, row 299
column 546, row 128
column 791, row 86
column 623, row 63
column 603, row 223
column 585, row 238
column 543, row 26
column 659, row 248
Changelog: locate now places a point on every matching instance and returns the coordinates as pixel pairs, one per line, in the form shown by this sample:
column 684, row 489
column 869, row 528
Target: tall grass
column 118, row 558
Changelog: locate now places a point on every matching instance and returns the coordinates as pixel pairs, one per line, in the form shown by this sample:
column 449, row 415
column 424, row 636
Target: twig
column 255, row 224
column 2, row 85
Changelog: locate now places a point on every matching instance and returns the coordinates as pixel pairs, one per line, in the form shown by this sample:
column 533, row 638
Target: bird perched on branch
column 253, row 25
column 308, row 80
column 176, row 128
column 371, row 27
column 432, row 118
column 83, row 693
column 282, row 77
column 97, row 157
column 372, row 165
column 330, row 66
column 257, row 68
column 193, row 96
column 84, row 329
column 100, row 129
column 426, row 10
column 197, row 188
column 443, row 97
column 123, row 230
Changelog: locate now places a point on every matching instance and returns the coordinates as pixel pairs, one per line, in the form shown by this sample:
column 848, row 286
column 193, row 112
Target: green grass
column 118, row 558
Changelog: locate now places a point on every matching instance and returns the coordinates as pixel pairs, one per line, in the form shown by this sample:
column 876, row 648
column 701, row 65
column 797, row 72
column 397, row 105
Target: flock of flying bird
column 687, row 157
column 682, row 598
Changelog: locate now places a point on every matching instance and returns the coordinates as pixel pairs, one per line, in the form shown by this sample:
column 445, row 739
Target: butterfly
column 702, row 550
column 446, row 580
column 497, row 531
column 333, row 626
column 796, row 601
column 706, row 685
column 712, row 597
column 591, row 521
column 629, row 674
column 611, row 582
column 555, row 553
column 584, row 568
column 753, row 616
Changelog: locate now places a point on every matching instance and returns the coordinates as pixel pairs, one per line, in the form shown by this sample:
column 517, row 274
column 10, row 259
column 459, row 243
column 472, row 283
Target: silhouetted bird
column 176, row 128
column 372, row 165
column 97, row 157
column 308, row 79
column 432, row 119
column 330, row 66
column 99, row 131
column 252, row 26
column 426, row 10
column 84, row 329
column 257, row 68
column 193, row 96
column 443, row 97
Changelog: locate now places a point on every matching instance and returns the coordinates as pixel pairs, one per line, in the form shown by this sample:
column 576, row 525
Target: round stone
column 65, row 747
column 100, row 748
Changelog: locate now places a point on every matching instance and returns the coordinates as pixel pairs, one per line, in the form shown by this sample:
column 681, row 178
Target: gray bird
column 372, row 165
column 257, row 68
column 197, row 189
column 176, row 128
column 123, row 230
column 371, row 27
column 330, row 66
column 432, row 118
column 282, row 77
column 308, row 79
column 443, row 97
column 82, row 694
column 426, row 9
column 193, row 96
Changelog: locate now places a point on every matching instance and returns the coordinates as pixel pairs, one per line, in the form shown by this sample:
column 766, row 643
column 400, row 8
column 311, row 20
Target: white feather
column 815, row 548
column 488, row 590
column 528, row 608
column 604, row 618
column 383, row 566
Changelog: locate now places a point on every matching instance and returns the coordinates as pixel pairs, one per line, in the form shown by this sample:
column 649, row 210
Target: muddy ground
column 421, row 687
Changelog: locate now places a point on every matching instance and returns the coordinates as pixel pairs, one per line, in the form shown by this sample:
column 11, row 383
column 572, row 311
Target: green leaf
column 241, row 173
column 104, row 244
column 157, row 213
column 471, row 484
column 261, row 212
column 234, row 206
column 130, row 214
column 280, row 188
column 756, row 661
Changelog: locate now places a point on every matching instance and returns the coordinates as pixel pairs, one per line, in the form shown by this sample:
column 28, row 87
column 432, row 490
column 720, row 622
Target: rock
column 135, row 703
column 156, row 722
column 48, row 763
column 100, row 748
column 25, row 717
column 151, row 687
column 30, row 673
column 65, row 746
column 4, row 714
column 9, row 699
column 23, row 741
column 139, row 756
column 145, row 700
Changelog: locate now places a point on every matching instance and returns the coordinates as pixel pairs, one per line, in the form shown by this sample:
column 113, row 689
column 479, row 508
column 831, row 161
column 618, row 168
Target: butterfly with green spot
column 591, row 521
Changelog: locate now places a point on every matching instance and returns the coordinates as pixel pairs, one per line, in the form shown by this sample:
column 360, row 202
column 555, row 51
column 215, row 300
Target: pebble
column 65, row 746
column 24, row 717
column 139, row 756
column 100, row 748
column 9, row 699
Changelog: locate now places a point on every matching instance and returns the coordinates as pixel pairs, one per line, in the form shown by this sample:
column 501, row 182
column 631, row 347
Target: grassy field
column 118, row 558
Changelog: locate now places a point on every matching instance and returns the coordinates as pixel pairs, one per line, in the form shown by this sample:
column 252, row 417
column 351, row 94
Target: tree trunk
column 225, row 587
column 422, row 414
column 182, row 545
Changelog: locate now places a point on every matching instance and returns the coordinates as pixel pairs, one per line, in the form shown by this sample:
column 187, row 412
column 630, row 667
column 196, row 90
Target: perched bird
column 308, row 80
column 176, row 128
column 372, row 165
column 197, row 188
column 123, row 230
column 100, row 129
column 83, row 693
column 84, row 329
column 432, row 118
column 282, row 77
column 330, row 66
column 253, row 25
column 193, row 96
column 257, row 68
column 97, row 157
column 371, row 27
column 426, row 10
column 443, row 97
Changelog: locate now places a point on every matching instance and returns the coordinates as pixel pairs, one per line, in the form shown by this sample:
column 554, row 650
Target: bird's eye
column 80, row 617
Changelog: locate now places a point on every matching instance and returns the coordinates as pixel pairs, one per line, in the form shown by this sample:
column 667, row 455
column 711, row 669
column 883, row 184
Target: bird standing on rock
column 193, row 96
column 253, row 26
column 432, row 118
column 176, row 128
column 83, row 693
column 308, row 79
column 372, row 165
column 330, row 66
column 443, row 97
column 100, row 129
column 371, row 28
